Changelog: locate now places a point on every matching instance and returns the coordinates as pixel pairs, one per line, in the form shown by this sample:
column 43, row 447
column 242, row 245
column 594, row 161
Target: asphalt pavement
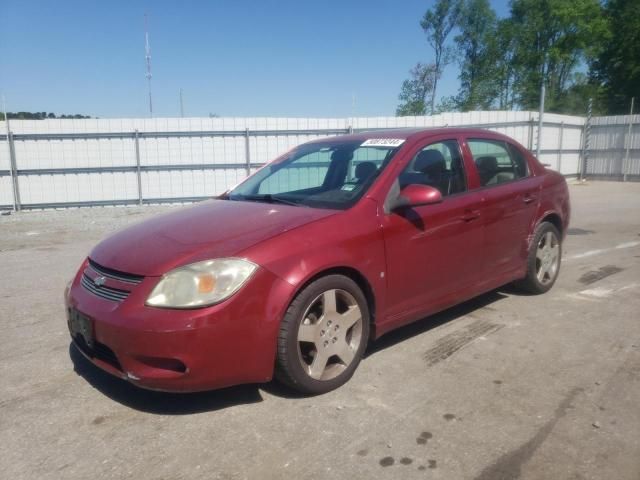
column 506, row 386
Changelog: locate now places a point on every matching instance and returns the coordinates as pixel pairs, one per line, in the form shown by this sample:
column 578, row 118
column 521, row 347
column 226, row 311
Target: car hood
column 210, row 229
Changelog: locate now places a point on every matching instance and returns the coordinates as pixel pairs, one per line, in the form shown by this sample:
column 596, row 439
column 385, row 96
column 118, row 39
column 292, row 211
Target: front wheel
column 543, row 263
column 323, row 335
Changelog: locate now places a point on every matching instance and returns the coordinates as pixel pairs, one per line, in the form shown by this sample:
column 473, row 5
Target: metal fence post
column 625, row 163
column 136, row 137
column 247, row 151
column 530, row 147
column 560, row 146
column 586, row 142
column 587, row 138
column 14, row 172
column 581, row 157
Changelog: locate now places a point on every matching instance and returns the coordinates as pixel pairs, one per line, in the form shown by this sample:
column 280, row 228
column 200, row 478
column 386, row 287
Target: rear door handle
column 470, row 215
column 528, row 198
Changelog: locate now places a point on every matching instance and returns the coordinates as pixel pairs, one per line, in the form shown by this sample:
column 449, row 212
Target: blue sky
column 233, row 58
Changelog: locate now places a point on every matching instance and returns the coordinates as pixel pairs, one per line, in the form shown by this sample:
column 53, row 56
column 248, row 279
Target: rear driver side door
column 511, row 196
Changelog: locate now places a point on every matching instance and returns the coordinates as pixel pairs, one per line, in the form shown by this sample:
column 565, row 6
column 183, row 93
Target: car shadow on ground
column 428, row 323
column 163, row 403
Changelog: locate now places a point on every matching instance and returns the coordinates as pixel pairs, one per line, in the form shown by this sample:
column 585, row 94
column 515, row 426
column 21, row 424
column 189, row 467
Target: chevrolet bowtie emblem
column 99, row 281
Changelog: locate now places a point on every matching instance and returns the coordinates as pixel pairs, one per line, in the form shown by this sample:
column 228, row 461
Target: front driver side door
column 434, row 254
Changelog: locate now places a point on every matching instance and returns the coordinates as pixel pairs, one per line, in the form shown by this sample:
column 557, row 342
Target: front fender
column 351, row 239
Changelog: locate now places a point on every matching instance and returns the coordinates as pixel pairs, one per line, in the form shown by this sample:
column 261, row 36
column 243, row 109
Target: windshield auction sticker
column 383, row 142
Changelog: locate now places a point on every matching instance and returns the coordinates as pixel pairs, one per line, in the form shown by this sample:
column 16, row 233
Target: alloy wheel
column 547, row 258
column 330, row 334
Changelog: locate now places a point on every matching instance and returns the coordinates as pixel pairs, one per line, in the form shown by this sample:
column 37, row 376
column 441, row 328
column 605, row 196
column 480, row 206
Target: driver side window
column 437, row 165
column 308, row 171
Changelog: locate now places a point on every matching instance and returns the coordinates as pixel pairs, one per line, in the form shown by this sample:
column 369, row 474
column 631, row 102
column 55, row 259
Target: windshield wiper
column 269, row 198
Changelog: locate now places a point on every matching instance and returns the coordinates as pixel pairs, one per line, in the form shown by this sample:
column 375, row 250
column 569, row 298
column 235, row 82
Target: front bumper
column 175, row 350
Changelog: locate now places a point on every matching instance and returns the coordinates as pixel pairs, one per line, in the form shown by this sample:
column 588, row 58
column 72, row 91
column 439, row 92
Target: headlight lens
column 201, row 284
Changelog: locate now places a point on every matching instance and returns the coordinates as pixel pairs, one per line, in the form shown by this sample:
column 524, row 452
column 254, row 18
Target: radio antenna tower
column 147, row 58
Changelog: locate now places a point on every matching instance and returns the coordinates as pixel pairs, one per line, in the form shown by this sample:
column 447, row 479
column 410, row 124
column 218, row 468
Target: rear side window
column 497, row 162
column 438, row 165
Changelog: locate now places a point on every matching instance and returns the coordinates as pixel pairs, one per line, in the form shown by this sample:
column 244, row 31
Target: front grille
column 115, row 274
column 103, row 291
column 107, row 283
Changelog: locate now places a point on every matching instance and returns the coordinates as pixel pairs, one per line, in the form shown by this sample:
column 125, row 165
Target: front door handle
column 470, row 215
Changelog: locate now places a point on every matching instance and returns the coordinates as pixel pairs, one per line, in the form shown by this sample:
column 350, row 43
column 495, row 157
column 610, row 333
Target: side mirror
column 415, row 195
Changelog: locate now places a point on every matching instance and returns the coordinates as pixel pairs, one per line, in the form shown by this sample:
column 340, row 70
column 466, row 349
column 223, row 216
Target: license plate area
column 81, row 327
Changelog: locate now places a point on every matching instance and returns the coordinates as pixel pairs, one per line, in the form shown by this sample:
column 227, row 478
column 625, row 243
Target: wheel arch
column 358, row 277
column 554, row 219
column 550, row 216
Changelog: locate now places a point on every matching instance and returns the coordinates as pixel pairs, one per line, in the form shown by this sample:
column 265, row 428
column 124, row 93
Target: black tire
column 293, row 355
column 531, row 282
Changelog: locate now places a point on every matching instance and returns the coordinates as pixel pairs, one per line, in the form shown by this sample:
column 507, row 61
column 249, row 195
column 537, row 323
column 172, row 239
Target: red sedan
column 337, row 242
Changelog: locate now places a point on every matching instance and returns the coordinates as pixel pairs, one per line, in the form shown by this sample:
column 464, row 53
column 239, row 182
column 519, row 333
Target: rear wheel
column 543, row 263
column 323, row 335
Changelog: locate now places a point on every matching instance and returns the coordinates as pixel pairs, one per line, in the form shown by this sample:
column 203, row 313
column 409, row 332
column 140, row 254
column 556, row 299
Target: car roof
column 410, row 133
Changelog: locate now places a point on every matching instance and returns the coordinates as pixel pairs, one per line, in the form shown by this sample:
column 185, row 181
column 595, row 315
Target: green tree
column 477, row 55
column 416, row 89
column 502, row 48
column 575, row 100
column 617, row 67
column 553, row 39
column 447, row 104
column 38, row 116
column 437, row 23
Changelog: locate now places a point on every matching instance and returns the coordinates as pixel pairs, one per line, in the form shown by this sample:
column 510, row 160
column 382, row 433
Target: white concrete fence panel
column 62, row 163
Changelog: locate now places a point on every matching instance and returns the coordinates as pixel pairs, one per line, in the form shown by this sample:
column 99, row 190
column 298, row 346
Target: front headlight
column 201, row 284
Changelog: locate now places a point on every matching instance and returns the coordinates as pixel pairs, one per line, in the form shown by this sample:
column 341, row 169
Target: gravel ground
column 502, row 387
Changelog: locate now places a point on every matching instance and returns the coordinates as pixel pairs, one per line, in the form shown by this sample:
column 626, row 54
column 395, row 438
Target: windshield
column 321, row 175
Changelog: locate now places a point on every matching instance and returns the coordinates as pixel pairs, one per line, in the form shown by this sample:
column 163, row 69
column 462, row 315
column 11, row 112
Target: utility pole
column 540, row 120
column 181, row 105
column 147, row 59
